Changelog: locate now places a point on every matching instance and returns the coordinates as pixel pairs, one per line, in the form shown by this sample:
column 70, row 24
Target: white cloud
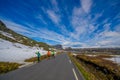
column 74, row 44
column 55, row 5
column 39, row 17
column 117, row 28
column 102, row 39
column 51, row 35
column 97, row 16
column 14, row 26
column 77, row 17
column 117, row 16
column 108, row 34
column 53, row 16
column 84, row 27
column 86, row 5
column 81, row 24
column 53, row 12
column 36, row 32
column 104, row 42
column 40, row 33
column 64, row 30
column 109, row 43
column 78, row 12
column 91, row 28
column 107, row 26
column 106, row 39
column 111, row 34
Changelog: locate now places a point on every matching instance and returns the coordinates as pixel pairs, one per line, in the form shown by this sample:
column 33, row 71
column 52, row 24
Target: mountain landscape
column 59, row 40
column 10, row 35
column 16, row 48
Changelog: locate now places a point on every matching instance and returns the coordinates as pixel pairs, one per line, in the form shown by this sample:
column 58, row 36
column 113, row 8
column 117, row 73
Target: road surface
column 60, row 68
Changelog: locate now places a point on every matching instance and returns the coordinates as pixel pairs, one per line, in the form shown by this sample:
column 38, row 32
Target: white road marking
column 70, row 61
column 27, row 65
column 75, row 74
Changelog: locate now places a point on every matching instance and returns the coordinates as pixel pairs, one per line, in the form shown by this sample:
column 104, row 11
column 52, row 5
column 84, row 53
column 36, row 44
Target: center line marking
column 75, row 74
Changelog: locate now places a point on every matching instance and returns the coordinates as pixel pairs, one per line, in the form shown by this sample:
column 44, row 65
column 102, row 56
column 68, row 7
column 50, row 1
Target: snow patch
column 7, row 35
column 115, row 59
column 16, row 52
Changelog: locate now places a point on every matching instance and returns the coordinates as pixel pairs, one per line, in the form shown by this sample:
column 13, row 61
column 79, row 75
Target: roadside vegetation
column 98, row 67
column 86, row 74
column 34, row 59
column 7, row 66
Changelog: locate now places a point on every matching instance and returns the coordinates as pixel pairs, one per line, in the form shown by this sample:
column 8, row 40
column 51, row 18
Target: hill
column 58, row 46
column 10, row 35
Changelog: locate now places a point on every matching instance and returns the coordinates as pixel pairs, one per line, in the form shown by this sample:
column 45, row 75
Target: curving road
column 59, row 68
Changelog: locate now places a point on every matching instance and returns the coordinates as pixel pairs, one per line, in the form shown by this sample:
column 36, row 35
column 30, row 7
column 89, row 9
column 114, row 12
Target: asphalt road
column 59, row 68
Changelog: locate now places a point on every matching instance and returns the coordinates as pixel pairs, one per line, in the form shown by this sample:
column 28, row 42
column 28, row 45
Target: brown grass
column 8, row 66
column 110, row 69
column 34, row 59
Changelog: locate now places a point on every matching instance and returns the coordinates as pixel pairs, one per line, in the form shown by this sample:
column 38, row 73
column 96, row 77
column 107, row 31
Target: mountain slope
column 10, row 35
column 58, row 46
column 16, row 52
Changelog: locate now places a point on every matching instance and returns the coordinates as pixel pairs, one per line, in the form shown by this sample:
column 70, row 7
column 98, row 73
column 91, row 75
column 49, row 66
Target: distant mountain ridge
column 58, row 46
column 10, row 35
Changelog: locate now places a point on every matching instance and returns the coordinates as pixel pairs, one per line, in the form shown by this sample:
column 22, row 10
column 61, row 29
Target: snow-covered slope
column 16, row 52
column 7, row 34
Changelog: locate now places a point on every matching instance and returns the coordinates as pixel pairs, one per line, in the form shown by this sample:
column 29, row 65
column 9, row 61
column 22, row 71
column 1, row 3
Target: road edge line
column 77, row 69
column 75, row 74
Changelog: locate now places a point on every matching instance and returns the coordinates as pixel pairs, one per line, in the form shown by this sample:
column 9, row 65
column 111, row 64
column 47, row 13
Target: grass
column 34, row 59
column 87, row 75
column 101, row 67
column 7, row 66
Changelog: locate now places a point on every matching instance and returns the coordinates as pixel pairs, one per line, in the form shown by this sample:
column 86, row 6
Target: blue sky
column 73, row 23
